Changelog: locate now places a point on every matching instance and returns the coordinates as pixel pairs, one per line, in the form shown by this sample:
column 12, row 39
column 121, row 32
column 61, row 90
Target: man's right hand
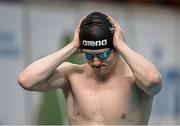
column 75, row 40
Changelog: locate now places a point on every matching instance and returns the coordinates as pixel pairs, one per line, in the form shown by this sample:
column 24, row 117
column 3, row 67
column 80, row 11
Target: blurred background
column 31, row 29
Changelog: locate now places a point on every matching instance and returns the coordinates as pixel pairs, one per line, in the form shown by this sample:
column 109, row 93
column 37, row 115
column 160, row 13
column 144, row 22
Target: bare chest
column 103, row 101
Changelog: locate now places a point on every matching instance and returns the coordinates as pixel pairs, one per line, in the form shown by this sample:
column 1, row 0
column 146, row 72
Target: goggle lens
column 101, row 56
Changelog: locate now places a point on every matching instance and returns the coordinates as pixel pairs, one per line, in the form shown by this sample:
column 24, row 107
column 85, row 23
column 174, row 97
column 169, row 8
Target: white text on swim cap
column 95, row 43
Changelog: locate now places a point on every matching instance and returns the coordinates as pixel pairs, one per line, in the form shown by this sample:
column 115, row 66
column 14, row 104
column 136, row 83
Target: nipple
column 123, row 116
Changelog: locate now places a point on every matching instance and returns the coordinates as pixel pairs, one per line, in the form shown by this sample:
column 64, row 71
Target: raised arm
column 48, row 72
column 147, row 76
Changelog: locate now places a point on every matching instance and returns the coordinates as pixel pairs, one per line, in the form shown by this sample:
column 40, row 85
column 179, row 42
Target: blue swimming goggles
column 101, row 56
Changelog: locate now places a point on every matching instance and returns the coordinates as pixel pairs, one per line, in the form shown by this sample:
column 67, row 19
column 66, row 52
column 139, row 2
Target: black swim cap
column 96, row 32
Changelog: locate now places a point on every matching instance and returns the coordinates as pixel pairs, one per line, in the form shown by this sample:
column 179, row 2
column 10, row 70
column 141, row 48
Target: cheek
column 110, row 60
column 110, row 64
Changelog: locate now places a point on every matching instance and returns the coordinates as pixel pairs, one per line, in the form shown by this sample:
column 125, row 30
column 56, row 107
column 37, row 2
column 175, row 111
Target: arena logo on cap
column 95, row 43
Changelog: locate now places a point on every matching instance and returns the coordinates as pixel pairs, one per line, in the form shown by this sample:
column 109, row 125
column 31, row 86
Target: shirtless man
column 115, row 86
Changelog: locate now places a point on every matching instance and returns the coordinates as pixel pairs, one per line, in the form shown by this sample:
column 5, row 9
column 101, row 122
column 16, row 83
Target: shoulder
column 70, row 68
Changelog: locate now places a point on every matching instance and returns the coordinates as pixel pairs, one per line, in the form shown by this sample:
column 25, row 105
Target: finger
column 115, row 23
column 112, row 21
column 80, row 21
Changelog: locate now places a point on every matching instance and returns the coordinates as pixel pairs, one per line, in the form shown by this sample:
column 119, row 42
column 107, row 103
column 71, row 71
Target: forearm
column 41, row 69
column 147, row 76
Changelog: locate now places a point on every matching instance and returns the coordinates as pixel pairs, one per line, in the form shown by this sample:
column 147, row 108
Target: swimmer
column 115, row 87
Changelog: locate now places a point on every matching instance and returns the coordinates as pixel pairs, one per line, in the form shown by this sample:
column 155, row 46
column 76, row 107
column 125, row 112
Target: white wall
column 12, row 96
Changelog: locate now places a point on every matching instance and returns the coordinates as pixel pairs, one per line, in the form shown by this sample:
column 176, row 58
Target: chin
column 102, row 72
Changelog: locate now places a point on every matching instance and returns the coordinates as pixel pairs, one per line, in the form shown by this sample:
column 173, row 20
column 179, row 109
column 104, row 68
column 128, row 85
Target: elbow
column 154, row 84
column 154, row 78
column 23, row 81
column 154, row 89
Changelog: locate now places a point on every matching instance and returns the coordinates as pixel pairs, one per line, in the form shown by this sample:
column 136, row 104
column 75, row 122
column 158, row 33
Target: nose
column 96, row 61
